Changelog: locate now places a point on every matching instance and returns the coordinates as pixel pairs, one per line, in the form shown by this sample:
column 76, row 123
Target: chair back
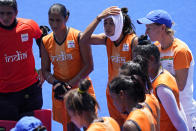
column 6, row 125
column 45, row 115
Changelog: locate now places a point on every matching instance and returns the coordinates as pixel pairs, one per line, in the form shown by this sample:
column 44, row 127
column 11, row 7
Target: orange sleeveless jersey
column 116, row 57
column 66, row 57
column 67, row 63
column 153, row 105
column 165, row 78
column 142, row 118
column 109, row 124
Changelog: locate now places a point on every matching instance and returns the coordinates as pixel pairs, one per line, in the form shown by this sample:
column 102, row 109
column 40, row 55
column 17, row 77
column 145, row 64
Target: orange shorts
column 60, row 113
column 114, row 113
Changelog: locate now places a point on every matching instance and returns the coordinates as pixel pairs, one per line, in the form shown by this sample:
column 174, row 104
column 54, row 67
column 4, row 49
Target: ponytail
column 79, row 100
column 128, row 27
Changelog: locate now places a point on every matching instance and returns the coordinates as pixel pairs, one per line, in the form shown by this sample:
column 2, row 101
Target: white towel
column 118, row 22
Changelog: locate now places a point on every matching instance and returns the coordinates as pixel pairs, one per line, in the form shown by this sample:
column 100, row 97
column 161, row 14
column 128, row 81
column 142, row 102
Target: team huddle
column 150, row 85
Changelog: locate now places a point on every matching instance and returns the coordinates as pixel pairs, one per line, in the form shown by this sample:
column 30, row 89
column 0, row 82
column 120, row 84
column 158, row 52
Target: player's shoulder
column 27, row 22
column 180, row 45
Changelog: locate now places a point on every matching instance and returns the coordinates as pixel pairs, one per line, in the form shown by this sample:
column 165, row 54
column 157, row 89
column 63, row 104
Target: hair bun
column 84, row 85
column 138, row 59
column 124, row 10
column 143, row 37
column 143, row 40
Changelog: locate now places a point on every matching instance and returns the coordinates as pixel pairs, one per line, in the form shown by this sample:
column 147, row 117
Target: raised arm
column 87, row 36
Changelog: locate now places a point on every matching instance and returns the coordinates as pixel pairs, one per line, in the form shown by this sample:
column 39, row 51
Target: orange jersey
column 17, row 64
column 142, row 118
column 165, row 78
column 67, row 63
column 114, row 113
column 109, row 124
column 153, row 105
column 65, row 57
column 116, row 57
column 177, row 56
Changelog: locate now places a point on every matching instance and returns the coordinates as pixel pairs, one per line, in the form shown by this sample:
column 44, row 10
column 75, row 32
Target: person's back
column 128, row 93
column 106, row 124
column 82, row 109
column 142, row 118
column 153, row 104
column 165, row 78
column 138, row 67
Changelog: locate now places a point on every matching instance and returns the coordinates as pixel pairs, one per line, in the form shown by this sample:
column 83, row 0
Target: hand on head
column 113, row 10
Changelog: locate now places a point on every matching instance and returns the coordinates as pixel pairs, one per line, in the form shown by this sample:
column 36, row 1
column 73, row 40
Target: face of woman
column 7, row 15
column 153, row 31
column 118, row 103
column 76, row 119
column 56, row 21
column 109, row 27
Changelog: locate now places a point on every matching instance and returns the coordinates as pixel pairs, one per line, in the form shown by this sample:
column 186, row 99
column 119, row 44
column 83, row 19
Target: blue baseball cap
column 27, row 123
column 156, row 16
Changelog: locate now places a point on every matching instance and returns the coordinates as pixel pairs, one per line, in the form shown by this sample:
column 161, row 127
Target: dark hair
column 10, row 3
column 137, row 67
column 128, row 26
column 144, row 66
column 142, row 62
column 132, row 85
column 59, row 7
column 146, row 51
column 130, row 68
column 79, row 100
column 143, row 40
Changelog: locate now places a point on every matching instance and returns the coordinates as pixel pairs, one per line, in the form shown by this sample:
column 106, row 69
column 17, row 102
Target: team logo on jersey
column 118, row 59
column 71, row 44
column 24, row 37
column 125, row 47
column 61, row 57
column 19, row 56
